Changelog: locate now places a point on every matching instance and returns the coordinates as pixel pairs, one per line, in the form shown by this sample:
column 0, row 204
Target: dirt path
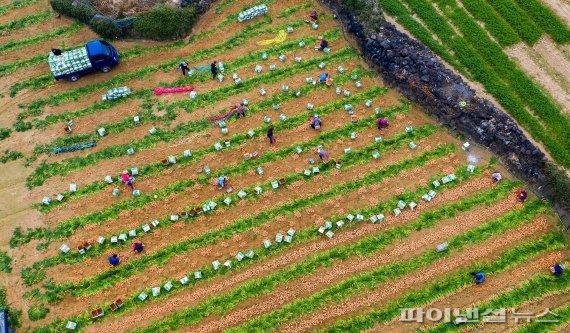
column 520, row 53
column 550, row 53
column 295, row 254
column 381, row 295
column 164, row 236
column 194, row 142
column 323, row 278
column 197, row 195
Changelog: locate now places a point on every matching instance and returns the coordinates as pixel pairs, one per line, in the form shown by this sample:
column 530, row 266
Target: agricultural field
column 296, row 244
column 518, row 51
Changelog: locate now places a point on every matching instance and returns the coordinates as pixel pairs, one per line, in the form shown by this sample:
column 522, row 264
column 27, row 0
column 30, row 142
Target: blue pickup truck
column 96, row 55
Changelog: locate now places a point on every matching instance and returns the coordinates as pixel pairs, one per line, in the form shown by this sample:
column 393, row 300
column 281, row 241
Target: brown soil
column 193, row 142
column 536, row 307
column 295, row 254
column 379, row 296
column 287, row 194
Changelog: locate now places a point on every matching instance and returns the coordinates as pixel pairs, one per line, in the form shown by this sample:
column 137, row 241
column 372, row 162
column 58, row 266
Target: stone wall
column 419, row 74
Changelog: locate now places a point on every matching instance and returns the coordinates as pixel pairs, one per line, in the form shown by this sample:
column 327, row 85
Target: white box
column 168, row 286
column 350, row 217
column 288, row 239
column 101, row 131
column 133, row 233
column 228, row 201
column 101, row 240
column 216, row 264
column 187, row 153
column 174, row 217
column 184, row 280
column 239, row 256
column 401, row 204
column 123, row 237
column 64, row 248
column 258, row 190
column 441, row 247
column 114, row 239
column 197, row 275
column 146, row 228
column 291, row 232
column 241, row 194
column 70, row 325
column 73, row 187
column 108, row 179
column 274, row 184
column 278, row 237
column 154, row 223
column 397, row 211
column 143, row 296
column 329, row 234
column 155, row 291
column 266, row 244
column 228, row 264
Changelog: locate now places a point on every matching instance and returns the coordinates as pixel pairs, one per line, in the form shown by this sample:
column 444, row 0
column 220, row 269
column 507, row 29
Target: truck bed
column 69, row 62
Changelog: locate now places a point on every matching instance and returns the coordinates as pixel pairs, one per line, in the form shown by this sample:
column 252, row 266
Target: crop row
column 497, row 26
column 256, row 288
column 481, row 71
column 59, row 32
column 31, row 275
column 550, row 321
column 347, row 161
column 109, row 278
column 371, row 279
column 45, row 171
column 533, row 288
column 307, row 235
column 45, row 80
column 25, row 21
column 542, row 105
column 547, row 20
column 194, row 127
column 15, row 4
column 35, row 108
column 237, row 64
column 518, row 20
column 67, row 228
column 451, row 283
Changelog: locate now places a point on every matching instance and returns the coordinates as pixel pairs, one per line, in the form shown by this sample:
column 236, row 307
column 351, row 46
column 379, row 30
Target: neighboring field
column 516, row 49
column 357, row 277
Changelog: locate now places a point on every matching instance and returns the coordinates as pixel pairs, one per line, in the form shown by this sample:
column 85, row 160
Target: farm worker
column 522, row 195
column 270, row 135
column 496, row 177
column 313, row 16
column 239, row 109
column 214, row 69
column 479, row 277
column 69, row 126
column 138, row 247
column 322, row 154
column 382, row 123
column 316, row 122
column 114, row 260
column 184, row 67
column 323, row 44
column 323, row 77
column 127, row 179
column 557, row 269
column 222, row 182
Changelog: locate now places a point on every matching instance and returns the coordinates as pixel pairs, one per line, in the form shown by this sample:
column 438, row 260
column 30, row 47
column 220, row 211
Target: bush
column 81, row 12
column 37, row 312
column 163, row 22
column 105, row 27
column 4, row 133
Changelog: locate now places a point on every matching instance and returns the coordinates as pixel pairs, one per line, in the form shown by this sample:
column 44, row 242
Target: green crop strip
column 234, row 65
column 107, row 279
column 533, row 288
column 192, row 127
column 350, row 161
column 563, row 317
column 364, row 247
column 369, row 280
column 65, row 229
column 25, row 21
column 34, row 274
column 35, row 108
column 547, row 20
column 518, row 19
column 15, row 4
column 470, row 60
column 45, row 171
column 307, row 235
column 59, row 32
column 497, row 26
column 452, row 283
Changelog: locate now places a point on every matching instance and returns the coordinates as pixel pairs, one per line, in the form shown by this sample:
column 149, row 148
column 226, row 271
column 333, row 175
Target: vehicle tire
column 106, row 69
column 73, row 78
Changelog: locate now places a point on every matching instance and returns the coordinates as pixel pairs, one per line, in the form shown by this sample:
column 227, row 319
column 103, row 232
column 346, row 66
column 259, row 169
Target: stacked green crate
column 69, row 62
